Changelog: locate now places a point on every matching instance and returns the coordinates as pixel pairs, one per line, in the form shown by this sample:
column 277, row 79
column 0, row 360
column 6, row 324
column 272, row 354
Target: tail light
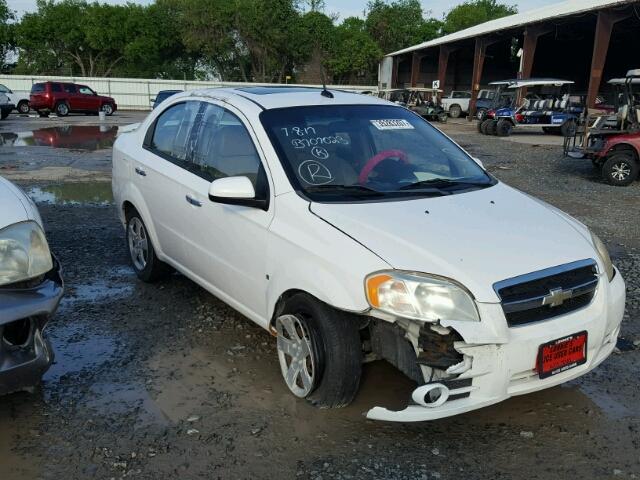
column 491, row 113
column 519, row 117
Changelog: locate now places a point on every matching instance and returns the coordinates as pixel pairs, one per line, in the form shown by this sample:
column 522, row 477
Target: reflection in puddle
column 115, row 283
column 77, row 349
column 77, row 137
column 73, row 193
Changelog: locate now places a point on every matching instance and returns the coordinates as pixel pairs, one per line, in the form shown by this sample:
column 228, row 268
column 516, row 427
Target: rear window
column 37, row 88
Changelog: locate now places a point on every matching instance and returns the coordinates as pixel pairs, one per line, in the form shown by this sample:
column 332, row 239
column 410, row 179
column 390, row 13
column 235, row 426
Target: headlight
column 420, row 296
column 603, row 253
column 24, row 253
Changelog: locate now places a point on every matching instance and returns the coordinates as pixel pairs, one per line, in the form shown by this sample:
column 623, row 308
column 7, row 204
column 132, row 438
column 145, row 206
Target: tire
column 491, row 127
column 4, row 114
column 107, row 108
column 568, row 128
column 442, row 117
column 62, row 109
column 481, row 114
column 23, row 107
column 455, row 111
column 620, row 169
column 330, row 352
column 483, row 126
column 504, row 127
column 143, row 257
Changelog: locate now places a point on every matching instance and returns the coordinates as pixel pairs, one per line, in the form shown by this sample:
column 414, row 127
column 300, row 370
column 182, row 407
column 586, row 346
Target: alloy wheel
column 295, row 352
column 138, row 244
column 620, row 171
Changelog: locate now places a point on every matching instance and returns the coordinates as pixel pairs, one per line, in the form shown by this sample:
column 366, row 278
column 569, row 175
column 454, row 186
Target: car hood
column 13, row 208
column 476, row 238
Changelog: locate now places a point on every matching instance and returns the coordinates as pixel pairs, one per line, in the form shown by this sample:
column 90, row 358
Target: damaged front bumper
column 500, row 362
column 25, row 354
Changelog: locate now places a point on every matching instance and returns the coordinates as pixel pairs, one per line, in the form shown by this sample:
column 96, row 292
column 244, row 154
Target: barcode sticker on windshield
column 391, row 124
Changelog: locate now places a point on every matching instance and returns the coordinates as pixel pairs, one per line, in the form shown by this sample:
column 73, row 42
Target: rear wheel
column 455, row 111
column 484, row 127
column 107, row 108
column 481, row 114
column 320, row 352
column 504, row 127
column 491, row 127
column 620, row 170
column 23, row 107
column 62, row 109
column 146, row 264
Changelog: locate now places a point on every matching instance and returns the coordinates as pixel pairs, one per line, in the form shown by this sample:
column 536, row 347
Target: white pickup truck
column 456, row 103
column 19, row 99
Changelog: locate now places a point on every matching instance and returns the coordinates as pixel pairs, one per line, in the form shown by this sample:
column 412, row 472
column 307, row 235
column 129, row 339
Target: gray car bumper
column 25, row 354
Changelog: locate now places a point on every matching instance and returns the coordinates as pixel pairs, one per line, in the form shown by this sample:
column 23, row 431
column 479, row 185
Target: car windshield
column 368, row 152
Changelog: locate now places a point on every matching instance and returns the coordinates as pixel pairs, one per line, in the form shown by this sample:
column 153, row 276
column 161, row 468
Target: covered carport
column 586, row 41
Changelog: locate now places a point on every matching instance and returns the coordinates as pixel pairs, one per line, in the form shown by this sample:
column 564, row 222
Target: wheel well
column 128, row 209
column 23, row 101
column 455, row 105
column 279, row 307
column 623, row 148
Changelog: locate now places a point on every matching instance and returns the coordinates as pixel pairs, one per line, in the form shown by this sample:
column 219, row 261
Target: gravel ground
column 165, row 381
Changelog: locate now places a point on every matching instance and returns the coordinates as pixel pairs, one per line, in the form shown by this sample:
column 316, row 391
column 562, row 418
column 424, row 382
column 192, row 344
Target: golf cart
column 494, row 98
column 423, row 101
column 551, row 108
column 612, row 141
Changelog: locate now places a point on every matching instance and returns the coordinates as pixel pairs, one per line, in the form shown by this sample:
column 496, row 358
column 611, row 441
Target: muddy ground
column 164, row 381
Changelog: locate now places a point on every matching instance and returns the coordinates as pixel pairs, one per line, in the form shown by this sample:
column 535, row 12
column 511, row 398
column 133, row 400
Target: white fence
column 136, row 93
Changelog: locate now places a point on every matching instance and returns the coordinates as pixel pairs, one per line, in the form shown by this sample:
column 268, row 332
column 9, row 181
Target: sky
column 344, row 8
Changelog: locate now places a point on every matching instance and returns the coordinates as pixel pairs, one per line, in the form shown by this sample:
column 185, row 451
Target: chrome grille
column 548, row 293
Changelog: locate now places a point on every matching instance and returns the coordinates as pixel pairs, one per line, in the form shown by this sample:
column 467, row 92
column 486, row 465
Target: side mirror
column 236, row 191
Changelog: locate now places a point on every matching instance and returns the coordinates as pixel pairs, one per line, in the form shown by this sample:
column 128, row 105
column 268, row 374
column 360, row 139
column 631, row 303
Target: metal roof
column 528, row 82
column 569, row 7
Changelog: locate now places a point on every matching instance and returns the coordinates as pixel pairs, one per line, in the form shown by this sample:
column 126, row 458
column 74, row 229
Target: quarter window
column 55, row 87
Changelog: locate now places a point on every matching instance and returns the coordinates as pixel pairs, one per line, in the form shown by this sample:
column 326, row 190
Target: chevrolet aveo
column 351, row 229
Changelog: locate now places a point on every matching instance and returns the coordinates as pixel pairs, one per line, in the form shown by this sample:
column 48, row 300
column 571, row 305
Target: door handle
column 193, row 201
column 141, row 172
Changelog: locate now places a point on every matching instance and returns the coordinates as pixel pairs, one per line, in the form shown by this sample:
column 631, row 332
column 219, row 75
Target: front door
column 228, row 243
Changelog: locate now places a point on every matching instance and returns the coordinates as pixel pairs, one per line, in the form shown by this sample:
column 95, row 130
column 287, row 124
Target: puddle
column 98, row 193
column 77, row 349
column 76, row 137
column 112, row 284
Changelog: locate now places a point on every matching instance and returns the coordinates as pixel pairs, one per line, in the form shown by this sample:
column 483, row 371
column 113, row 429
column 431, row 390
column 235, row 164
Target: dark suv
column 64, row 98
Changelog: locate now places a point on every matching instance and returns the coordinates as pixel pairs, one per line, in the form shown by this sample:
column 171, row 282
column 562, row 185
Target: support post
column 415, row 68
column 478, row 64
column 394, row 73
column 531, row 35
column 443, row 62
column 604, row 27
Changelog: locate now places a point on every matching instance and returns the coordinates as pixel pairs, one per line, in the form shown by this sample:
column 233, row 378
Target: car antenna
column 325, row 92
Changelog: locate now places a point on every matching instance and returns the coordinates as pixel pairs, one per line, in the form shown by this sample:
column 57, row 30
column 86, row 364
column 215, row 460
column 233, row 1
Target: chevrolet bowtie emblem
column 557, row 297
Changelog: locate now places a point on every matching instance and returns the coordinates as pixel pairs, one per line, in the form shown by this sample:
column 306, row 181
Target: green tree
column 475, row 12
column 7, row 32
column 355, row 55
column 399, row 24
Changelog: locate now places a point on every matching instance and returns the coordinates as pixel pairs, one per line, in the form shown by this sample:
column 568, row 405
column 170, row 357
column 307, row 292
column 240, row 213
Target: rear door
column 70, row 94
column 160, row 173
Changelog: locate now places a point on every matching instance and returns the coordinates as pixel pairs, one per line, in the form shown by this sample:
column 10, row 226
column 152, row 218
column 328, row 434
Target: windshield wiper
column 444, row 182
column 348, row 189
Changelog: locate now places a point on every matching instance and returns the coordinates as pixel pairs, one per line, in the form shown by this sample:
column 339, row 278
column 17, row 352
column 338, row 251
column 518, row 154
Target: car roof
column 282, row 97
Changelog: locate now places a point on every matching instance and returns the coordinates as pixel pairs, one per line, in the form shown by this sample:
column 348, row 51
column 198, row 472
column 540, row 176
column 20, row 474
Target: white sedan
column 350, row 228
column 30, row 290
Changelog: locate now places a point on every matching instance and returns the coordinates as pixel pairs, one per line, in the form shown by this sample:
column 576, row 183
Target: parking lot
column 165, row 381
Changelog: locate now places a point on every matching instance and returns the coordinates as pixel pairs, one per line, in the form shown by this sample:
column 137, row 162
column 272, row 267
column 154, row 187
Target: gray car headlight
column 420, row 297
column 603, row 253
column 24, row 253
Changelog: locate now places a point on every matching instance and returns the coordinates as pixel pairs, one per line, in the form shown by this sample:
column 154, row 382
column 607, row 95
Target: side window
column 69, row 88
column 85, row 91
column 55, row 87
column 224, row 148
column 171, row 130
column 3, row 89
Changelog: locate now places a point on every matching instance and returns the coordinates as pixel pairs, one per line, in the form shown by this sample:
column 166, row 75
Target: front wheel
column 620, row 170
column 320, row 352
column 146, row 264
column 455, row 111
column 504, row 127
column 107, row 108
column 442, row 117
column 62, row 109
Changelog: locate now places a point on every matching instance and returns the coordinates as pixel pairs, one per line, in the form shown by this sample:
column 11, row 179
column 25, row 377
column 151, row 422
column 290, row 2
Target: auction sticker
column 392, row 124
